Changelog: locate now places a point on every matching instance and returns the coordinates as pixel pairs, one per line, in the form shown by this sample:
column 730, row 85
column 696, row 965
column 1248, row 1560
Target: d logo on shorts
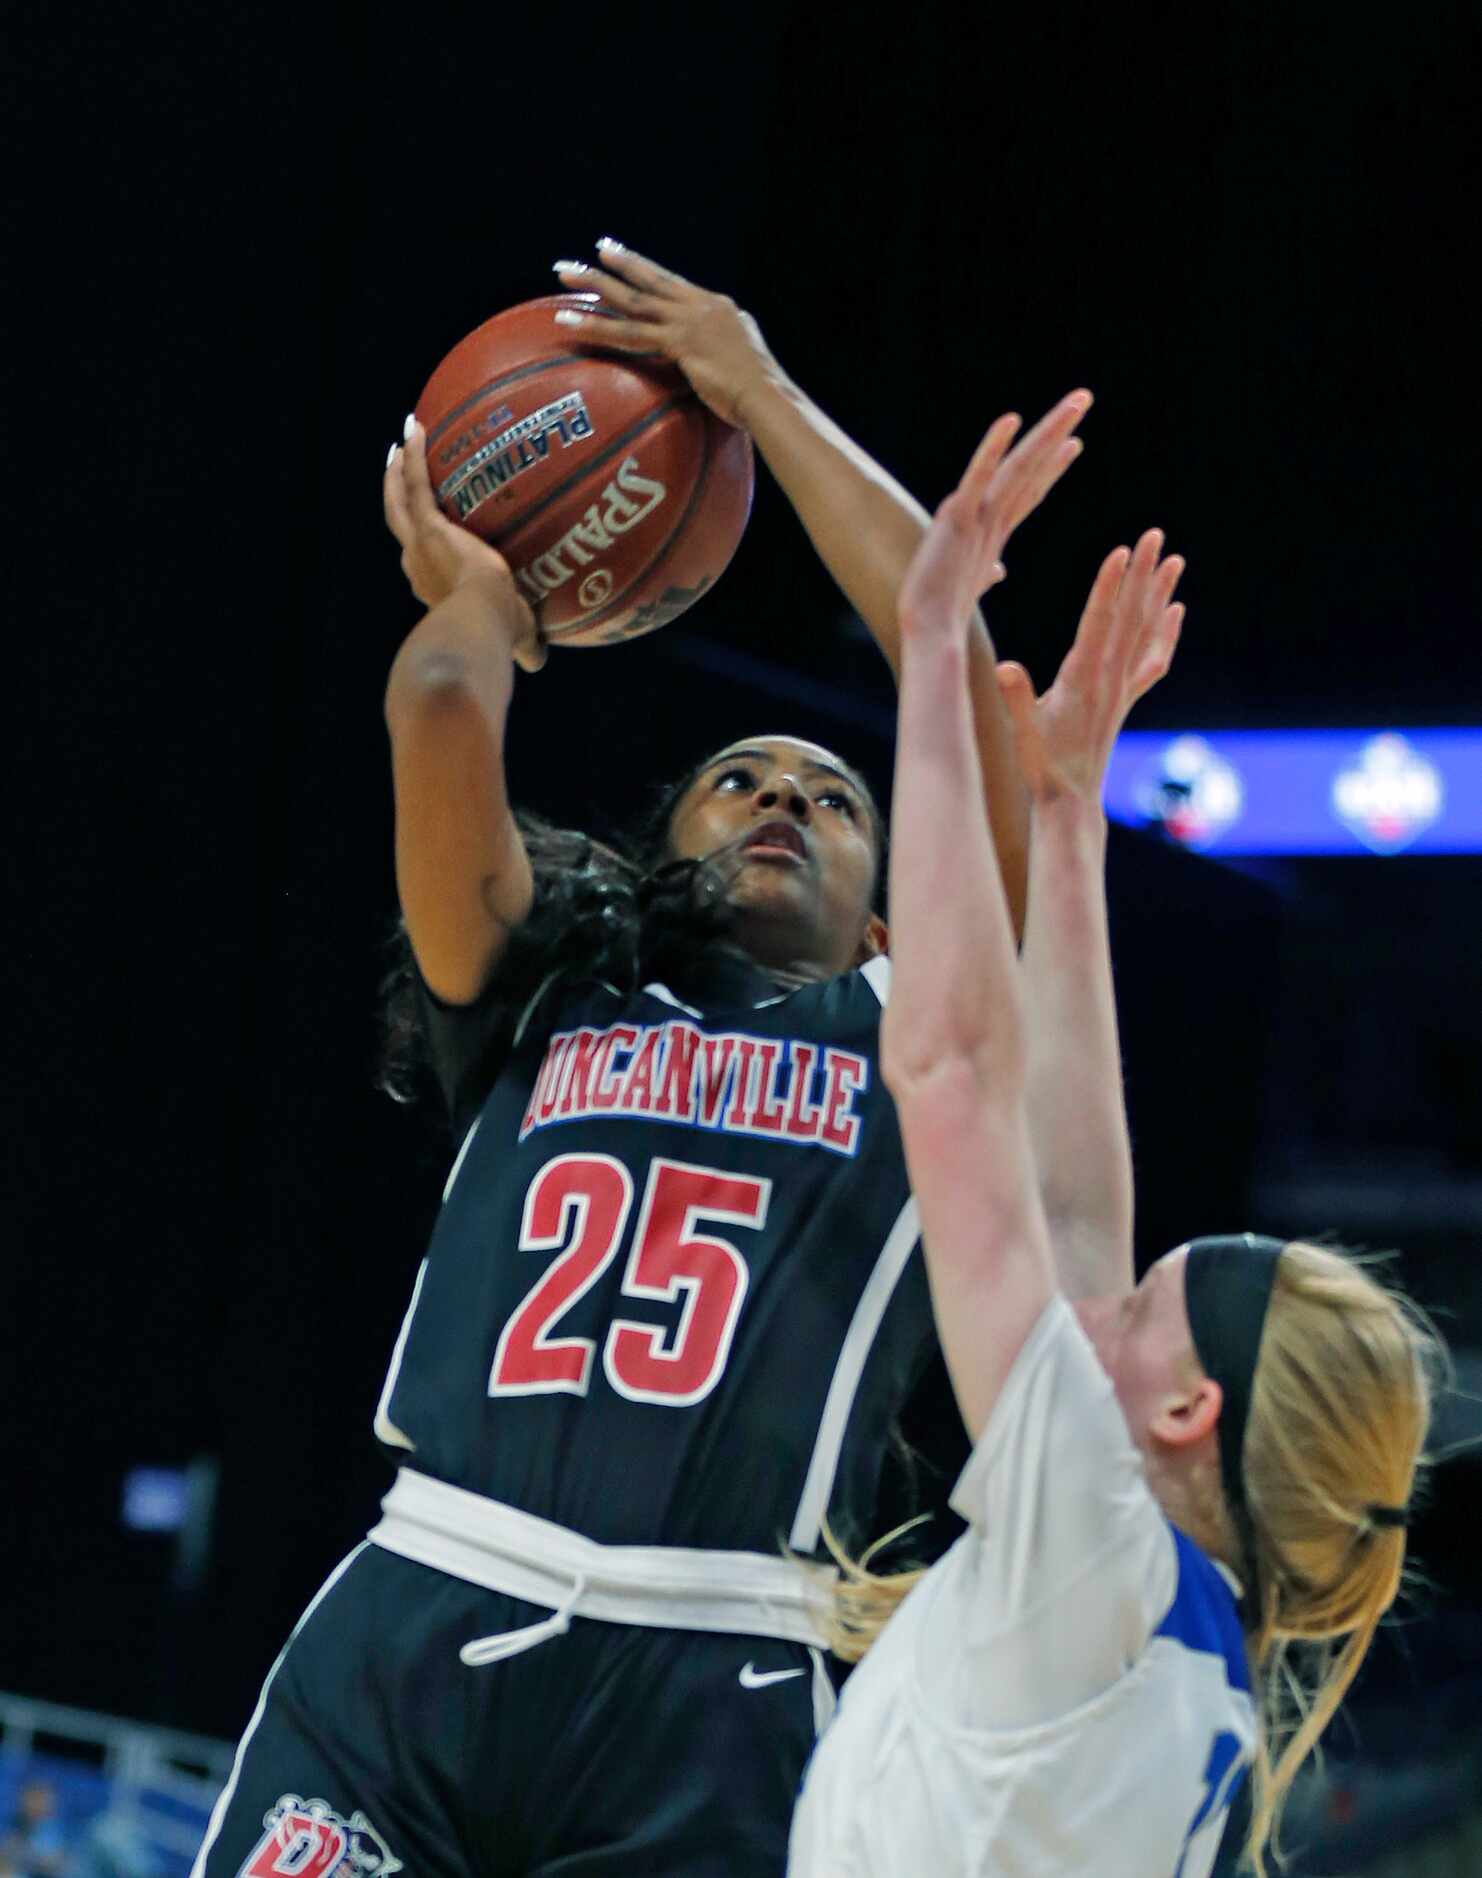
column 308, row 1839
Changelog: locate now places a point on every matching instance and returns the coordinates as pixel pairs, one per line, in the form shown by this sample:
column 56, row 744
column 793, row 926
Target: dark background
column 243, row 242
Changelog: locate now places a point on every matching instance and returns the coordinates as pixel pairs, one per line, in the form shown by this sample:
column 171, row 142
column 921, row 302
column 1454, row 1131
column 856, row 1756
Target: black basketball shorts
column 610, row 1750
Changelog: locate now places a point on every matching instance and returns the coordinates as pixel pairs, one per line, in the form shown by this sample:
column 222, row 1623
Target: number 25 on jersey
column 578, row 1206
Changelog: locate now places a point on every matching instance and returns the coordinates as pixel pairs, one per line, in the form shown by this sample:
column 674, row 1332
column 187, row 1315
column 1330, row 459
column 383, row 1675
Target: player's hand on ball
column 960, row 555
column 438, row 557
column 1123, row 646
column 646, row 309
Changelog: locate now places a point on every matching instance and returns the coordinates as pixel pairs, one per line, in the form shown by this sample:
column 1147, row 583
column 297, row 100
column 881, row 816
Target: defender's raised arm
column 954, row 1041
column 1077, row 1116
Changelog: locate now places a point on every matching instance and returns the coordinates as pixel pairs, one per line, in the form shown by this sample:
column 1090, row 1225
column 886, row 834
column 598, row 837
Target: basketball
column 614, row 494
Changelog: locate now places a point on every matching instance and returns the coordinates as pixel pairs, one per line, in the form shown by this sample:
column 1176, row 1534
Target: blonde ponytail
column 861, row 1601
column 1340, row 1409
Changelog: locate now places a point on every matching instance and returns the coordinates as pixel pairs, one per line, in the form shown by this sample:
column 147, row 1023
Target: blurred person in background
column 36, row 1841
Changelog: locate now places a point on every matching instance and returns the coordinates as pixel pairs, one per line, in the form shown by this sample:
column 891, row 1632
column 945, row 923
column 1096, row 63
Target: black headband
column 1228, row 1282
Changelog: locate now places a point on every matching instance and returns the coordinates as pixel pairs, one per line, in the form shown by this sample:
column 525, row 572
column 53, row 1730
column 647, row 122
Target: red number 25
column 577, row 1206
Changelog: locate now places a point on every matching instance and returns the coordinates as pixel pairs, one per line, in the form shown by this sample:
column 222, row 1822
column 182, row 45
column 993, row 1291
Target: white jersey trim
column 458, row 1161
column 877, row 976
column 385, row 1429
column 666, row 996
column 825, row 1695
column 224, row 1798
column 818, row 1486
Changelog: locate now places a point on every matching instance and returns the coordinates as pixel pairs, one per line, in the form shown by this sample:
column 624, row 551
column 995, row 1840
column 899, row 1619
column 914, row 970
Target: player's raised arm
column 1077, row 1116
column 461, row 870
column 865, row 526
column 953, row 1044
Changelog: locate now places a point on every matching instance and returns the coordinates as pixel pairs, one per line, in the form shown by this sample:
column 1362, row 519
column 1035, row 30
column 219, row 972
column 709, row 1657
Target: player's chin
column 762, row 880
column 779, row 903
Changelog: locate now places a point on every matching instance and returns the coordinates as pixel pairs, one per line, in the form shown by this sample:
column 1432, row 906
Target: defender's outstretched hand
column 438, row 556
column 960, row 555
column 1123, row 646
column 641, row 307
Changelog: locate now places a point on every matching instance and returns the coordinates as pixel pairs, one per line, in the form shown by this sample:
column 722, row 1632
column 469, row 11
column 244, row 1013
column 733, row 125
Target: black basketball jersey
column 674, row 1295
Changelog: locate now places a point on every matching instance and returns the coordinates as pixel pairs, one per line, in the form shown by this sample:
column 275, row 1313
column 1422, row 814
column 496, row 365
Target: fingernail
column 570, row 267
column 614, row 247
column 408, row 427
column 391, row 454
column 567, row 318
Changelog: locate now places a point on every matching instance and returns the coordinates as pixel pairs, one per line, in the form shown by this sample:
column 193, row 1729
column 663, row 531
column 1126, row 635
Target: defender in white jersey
column 1172, row 1484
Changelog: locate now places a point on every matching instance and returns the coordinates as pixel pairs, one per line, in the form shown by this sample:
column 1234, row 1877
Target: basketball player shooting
column 673, row 1298
column 1175, row 1484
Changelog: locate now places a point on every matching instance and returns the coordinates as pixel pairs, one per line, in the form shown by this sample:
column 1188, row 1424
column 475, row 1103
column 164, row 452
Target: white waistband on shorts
column 661, row 1587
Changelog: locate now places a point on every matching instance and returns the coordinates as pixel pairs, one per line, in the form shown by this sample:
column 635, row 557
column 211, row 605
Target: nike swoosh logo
column 752, row 1678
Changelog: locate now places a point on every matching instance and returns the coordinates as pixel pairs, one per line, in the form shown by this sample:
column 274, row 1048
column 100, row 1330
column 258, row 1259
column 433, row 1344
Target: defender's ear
column 1189, row 1416
column 876, row 940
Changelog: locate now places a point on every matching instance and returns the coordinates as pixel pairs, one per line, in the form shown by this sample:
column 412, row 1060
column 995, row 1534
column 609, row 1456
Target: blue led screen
column 1303, row 791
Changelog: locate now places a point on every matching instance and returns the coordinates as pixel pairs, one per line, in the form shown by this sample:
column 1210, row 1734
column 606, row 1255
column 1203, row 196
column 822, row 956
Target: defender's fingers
column 1145, row 616
column 1054, row 427
column 1102, row 598
column 1149, row 589
column 1028, row 477
column 1138, row 586
column 1061, row 419
column 1037, row 462
column 1017, row 689
column 1158, row 653
column 1088, row 649
column 1123, row 640
column 1013, row 678
column 990, row 452
column 1041, row 458
column 1165, row 582
column 640, row 271
column 1145, row 552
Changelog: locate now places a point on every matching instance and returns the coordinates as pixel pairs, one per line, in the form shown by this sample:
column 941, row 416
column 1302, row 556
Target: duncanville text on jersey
column 782, row 1090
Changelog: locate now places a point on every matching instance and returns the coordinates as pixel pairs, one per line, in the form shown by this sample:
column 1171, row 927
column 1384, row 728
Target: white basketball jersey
column 1064, row 1693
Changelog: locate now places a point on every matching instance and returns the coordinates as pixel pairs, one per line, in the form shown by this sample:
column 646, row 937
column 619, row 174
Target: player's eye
column 737, row 778
column 836, row 799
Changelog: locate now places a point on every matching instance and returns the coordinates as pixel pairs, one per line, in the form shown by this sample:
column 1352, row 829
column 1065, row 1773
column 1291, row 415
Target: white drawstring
column 511, row 1642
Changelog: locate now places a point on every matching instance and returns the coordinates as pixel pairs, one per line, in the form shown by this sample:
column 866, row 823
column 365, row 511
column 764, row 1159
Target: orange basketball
column 616, row 497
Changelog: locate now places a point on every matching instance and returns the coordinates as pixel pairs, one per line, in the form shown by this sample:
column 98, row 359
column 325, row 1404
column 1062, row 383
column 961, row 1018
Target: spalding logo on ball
column 616, row 497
